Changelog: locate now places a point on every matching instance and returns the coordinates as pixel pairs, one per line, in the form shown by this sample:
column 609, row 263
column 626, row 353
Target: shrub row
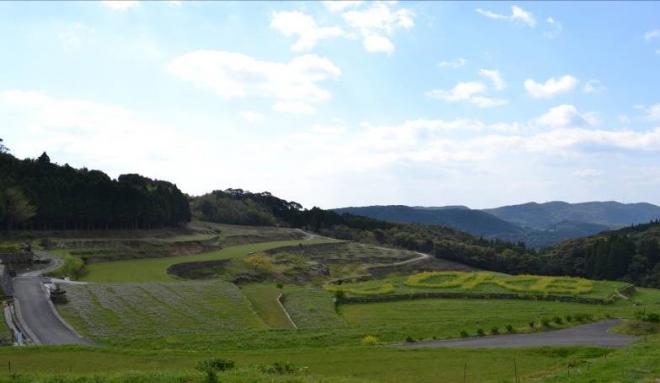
column 470, row 295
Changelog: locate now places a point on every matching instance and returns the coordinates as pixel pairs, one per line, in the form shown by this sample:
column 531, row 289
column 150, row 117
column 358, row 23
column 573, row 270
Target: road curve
column 593, row 334
column 37, row 314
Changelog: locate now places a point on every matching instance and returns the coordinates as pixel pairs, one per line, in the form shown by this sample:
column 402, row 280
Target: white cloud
column 73, row 35
column 494, row 76
column 296, row 23
column 120, row 5
column 293, row 107
column 518, row 15
column 235, row 75
column 652, row 112
column 650, row 35
column 453, row 64
column 552, row 87
column 378, row 43
column 252, row 117
column 562, row 116
column 341, row 5
column 95, row 134
column 587, row 173
column 377, row 23
column 471, row 91
column 554, row 28
column 593, row 86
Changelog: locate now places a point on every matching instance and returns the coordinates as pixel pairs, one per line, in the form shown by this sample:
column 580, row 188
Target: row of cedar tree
column 37, row 194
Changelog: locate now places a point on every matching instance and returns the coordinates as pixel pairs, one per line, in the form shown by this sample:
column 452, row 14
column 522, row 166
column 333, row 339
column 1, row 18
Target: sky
column 336, row 104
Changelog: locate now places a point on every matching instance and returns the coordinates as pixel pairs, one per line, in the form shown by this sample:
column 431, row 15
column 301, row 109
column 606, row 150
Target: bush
column 545, row 322
column 531, row 324
column 650, row 317
column 280, row 286
column 280, row 368
column 480, row 332
column 410, row 339
column 510, row 329
column 216, row 364
column 558, row 320
column 210, row 366
column 464, row 334
column 340, row 294
column 495, row 331
column 370, row 340
column 569, row 318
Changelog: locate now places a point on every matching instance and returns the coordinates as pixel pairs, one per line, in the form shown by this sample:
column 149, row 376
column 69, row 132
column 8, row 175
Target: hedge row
column 472, row 295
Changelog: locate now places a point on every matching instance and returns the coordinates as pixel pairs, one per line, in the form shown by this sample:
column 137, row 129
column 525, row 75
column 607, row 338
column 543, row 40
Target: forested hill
column 631, row 253
column 39, row 194
column 611, row 214
column 475, row 222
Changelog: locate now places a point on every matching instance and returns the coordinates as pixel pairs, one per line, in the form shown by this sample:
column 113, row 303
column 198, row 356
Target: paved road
column 37, row 315
column 594, row 334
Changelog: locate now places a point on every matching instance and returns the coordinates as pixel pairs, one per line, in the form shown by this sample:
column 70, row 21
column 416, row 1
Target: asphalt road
column 593, row 334
column 37, row 315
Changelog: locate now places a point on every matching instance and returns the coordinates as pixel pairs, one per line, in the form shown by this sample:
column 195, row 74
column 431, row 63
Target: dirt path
column 593, row 334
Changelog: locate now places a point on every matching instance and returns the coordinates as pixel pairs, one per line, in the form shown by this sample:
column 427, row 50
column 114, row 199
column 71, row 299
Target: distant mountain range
column 537, row 224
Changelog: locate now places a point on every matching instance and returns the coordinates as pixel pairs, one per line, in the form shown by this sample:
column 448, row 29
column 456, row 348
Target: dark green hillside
column 470, row 221
column 39, row 194
column 631, row 254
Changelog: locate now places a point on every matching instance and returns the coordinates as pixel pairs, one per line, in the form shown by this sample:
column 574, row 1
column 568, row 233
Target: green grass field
column 264, row 301
column 155, row 269
column 377, row 364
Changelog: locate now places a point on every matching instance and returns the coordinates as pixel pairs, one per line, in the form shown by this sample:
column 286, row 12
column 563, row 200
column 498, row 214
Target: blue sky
column 336, row 104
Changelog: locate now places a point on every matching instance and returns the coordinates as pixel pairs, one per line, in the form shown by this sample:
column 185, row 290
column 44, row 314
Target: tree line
column 39, row 194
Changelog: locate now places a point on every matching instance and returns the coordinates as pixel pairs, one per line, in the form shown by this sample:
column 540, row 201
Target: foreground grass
column 155, row 269
column 252, row 375
column 346, row 364
column 634, row 364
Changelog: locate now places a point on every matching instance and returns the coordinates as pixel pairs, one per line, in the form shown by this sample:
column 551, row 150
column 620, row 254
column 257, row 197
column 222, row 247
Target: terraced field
column 143, row 270
column 158, row 309
column 264, row 299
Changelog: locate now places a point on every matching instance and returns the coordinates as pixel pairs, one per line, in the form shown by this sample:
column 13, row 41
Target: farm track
column 593, row 334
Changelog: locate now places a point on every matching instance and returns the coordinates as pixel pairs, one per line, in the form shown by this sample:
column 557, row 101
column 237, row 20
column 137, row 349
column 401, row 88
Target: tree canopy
column 38, row 194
